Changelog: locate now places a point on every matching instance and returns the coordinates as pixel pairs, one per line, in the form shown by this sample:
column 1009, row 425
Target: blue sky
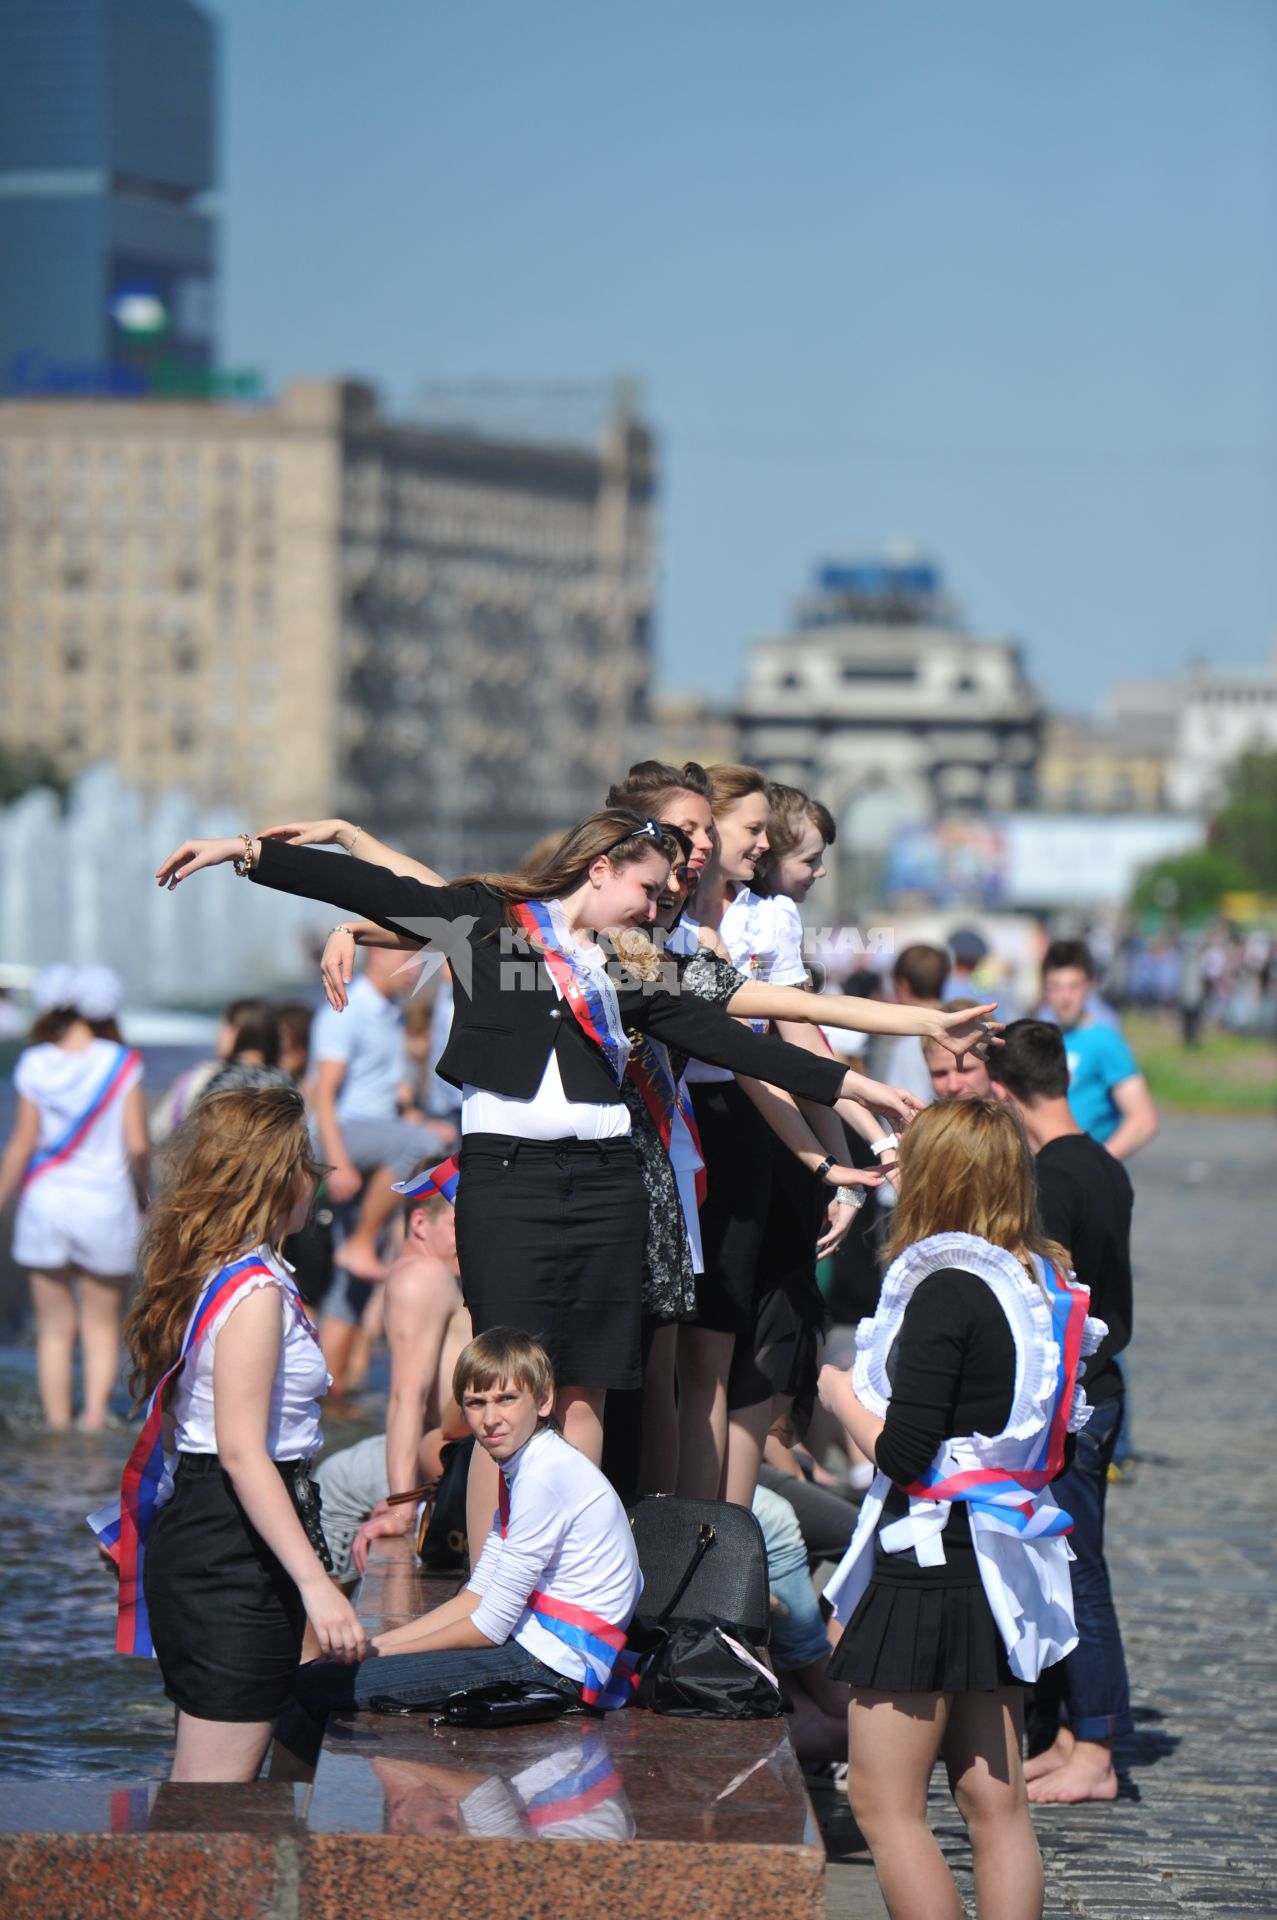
column 996, row 276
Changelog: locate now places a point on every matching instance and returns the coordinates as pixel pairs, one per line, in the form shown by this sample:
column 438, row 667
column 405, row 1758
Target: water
column 70, row 1706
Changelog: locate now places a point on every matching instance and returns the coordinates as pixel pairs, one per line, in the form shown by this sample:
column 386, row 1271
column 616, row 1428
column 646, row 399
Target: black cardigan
column 508, row 1016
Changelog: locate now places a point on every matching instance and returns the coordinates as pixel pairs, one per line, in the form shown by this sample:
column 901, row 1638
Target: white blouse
column 301, row 1378
column 764, row 939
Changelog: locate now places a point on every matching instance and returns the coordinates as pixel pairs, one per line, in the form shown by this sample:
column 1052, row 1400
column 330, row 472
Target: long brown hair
column 965, row 1167
column 615, row 832
column 231, row 1176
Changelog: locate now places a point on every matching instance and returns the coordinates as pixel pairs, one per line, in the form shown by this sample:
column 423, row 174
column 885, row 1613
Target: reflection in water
column 572, row 1793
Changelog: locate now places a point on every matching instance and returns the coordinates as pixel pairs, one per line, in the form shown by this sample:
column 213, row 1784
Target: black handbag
column 705, row 1599
column 703, row 1559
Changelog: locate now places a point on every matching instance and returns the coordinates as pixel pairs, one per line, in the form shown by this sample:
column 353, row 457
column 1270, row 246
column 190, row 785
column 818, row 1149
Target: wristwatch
column 822, row 1171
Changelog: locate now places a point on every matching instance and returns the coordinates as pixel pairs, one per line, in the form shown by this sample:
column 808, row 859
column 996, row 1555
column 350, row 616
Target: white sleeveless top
column 301, row 1378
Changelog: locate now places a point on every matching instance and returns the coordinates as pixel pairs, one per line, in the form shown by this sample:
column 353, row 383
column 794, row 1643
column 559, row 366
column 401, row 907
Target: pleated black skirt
column 779, row 1353
column 550, row 1238
column 226, row 1619
column 915, row 1637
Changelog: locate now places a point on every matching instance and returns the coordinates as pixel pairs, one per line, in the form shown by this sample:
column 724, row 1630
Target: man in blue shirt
column 1108, row 1095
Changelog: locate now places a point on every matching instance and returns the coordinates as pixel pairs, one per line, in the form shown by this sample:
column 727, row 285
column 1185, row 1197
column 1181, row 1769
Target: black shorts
column 226, row 1619
column 550, row 1237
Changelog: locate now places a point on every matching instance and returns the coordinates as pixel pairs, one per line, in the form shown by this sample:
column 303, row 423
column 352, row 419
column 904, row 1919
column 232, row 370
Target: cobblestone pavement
column 1191, row 1548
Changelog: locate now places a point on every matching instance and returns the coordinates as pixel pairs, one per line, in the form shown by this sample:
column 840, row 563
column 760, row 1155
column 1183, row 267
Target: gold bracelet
column 244, row 865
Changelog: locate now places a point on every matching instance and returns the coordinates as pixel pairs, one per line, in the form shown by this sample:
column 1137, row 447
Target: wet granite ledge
column 629, row 1817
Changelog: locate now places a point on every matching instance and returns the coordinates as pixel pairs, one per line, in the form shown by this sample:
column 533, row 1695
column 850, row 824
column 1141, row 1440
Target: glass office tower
column 107, row 267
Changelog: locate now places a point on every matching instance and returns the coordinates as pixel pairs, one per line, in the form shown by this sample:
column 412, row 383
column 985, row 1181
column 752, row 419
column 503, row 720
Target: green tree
column 21, row 771
column 1189, row 885
column 1245, row 827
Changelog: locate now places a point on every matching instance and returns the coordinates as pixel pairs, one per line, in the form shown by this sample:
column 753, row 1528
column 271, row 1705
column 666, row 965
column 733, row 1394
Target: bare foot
column 1051, row 1758
column 359, row 1259
column 1087, row 1775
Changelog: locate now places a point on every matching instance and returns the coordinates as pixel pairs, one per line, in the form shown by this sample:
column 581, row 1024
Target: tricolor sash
column 1004, row 1497
column 664, row 1097
column 123, row 1525
column 595, row 1781
column 612, row 1676
column 587, row 990
column 104, row 1094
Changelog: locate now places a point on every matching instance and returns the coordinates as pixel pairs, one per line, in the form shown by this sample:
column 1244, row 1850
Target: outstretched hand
column 970, row 1030
column 194, row 855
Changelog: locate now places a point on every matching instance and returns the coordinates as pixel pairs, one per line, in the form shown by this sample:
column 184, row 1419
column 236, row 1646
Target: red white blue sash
column 123, row 1064
column 123, row 1525
column 594, row 1782
column 601, row 1645
column 999, row 1493
column 588, row 991
column 664, row 1097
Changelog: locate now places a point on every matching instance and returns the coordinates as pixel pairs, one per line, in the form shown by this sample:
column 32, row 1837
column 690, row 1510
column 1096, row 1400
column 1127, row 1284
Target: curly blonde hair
column 233, row 1173
column 966, row 1167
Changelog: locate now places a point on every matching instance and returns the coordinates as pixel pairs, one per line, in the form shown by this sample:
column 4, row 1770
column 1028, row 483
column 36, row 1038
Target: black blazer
column 509, row 1020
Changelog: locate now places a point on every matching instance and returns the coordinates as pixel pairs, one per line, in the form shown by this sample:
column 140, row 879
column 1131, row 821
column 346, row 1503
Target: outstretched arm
column 343, row 834
column 960, row 1032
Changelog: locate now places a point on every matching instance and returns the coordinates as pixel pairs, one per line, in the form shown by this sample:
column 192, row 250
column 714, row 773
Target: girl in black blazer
column 550, row 1212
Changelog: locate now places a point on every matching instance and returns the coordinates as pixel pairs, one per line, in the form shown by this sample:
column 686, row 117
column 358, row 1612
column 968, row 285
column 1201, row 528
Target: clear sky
column 995, row 276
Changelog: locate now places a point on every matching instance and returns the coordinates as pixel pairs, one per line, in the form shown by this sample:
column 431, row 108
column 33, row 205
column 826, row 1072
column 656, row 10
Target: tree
column 1245, row 827
column 1189, row 885
column 21, row 771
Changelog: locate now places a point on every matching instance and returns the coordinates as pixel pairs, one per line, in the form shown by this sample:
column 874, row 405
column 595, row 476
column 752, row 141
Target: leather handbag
column 703, row 1559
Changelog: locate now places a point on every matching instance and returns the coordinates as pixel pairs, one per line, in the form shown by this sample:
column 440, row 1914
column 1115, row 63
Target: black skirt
column 736, row 1143
column 226, row 1618
column 550, row 1238
column 915, row 1637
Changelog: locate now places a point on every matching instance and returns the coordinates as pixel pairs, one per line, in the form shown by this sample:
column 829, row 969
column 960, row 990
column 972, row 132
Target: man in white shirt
column 549, row 1600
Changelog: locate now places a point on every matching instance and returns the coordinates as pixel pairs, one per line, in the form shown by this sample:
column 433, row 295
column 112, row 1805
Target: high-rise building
column 106, row 156
column 304, row 608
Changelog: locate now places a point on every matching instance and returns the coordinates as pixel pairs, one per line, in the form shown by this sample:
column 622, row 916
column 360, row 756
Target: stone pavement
column 1191, row 1548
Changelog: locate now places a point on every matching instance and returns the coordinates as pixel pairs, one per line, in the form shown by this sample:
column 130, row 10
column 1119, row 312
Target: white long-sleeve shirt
column 567, row 1539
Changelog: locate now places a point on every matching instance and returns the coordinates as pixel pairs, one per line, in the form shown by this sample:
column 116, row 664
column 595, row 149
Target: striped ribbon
column 123, row 1062
column 664, row 1097
column 600, row 1644
column 580, row 986
column 123, row 1525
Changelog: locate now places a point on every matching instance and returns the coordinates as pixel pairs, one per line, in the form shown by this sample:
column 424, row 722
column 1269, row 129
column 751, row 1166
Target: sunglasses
column 651, row 830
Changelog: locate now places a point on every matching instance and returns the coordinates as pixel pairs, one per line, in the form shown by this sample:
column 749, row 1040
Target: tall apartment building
column 303, row 608
column 106, row 156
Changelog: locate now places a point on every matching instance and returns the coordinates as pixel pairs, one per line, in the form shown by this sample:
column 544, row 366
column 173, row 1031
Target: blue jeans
column 1091, row 1682
column 394, row 1682
column 798, row 1634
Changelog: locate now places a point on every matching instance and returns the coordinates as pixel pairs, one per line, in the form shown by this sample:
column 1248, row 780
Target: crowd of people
column 605, row 1206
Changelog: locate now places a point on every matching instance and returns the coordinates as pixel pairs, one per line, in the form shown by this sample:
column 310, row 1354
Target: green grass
column 1224, row 1073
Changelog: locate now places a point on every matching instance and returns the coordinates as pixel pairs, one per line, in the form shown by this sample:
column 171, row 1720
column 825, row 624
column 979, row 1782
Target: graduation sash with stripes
column 1005, row 1497
column 588, row 991
column 61, row 1150
column 123, row 1525
column 664, row 1097
column 601, row 1645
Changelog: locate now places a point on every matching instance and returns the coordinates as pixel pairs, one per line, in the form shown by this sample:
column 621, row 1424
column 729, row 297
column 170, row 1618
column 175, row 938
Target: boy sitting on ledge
column 551, row 1595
